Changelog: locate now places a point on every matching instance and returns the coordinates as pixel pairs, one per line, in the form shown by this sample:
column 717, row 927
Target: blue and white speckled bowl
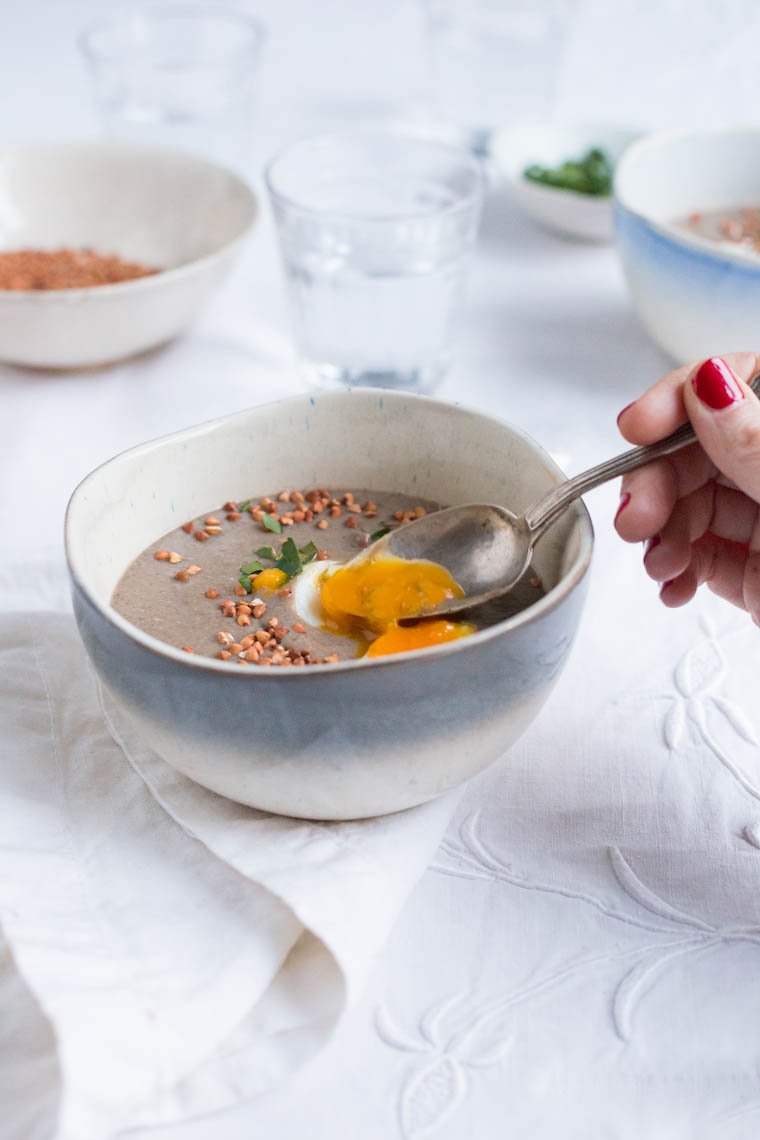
column 361, row 737
column 697, row 298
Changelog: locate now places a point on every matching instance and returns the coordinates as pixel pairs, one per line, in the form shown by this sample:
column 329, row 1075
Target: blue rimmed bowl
column 696, row 297
column 358, row 738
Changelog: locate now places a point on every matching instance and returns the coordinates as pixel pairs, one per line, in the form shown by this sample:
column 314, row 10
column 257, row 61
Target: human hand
column 698, row 510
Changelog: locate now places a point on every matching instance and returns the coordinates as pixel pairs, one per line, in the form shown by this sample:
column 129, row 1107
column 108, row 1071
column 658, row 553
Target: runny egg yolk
column 373, row 595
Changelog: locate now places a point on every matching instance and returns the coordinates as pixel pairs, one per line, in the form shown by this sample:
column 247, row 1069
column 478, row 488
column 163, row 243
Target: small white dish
column 162, row 208
column 567, row 212
column 696, row 297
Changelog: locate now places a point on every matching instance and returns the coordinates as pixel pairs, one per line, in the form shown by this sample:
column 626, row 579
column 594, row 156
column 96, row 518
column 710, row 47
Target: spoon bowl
column 487, row 548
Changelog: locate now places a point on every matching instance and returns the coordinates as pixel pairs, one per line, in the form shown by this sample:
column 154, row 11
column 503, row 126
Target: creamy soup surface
column 259, row 582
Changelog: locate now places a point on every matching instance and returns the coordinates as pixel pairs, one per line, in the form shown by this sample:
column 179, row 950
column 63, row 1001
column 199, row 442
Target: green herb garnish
column 251, row 568
column 271, row 523
column 591, row 174
column 244, row 506
column 380, row 533
column 289, row 559
column 309, row 552
column 245, row 582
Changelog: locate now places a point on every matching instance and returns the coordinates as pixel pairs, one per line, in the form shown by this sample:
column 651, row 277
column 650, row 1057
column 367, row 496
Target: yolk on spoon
column 373, row 595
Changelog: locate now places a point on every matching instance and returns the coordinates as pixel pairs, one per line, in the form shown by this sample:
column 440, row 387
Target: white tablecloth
column 581, row 958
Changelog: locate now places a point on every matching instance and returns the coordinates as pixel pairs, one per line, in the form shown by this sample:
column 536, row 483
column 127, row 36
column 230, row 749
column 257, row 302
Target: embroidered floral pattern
column 473, row 859
column 696, row 705
column 433, row 1090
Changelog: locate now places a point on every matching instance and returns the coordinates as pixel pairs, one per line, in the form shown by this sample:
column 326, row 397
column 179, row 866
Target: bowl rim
column 709, row 249
column 549, row 601
column 153, row 280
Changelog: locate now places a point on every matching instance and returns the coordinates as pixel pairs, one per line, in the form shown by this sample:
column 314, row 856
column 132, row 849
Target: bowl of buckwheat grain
column 108, row 249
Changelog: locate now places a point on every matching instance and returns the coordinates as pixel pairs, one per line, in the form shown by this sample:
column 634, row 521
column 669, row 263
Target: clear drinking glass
column 178, row 75
column 375, row 231
column 495, row 60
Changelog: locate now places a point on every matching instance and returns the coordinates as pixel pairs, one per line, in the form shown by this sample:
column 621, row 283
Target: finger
column 717, row 563
column 725, row 414
column 735, row 516
column 649, row 494
column 669, row 553
column 751, row 579
column 724, row 512
column 721, row 565
column 661, row 409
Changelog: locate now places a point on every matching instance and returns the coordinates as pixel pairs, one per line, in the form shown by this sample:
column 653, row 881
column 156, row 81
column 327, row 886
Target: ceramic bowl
column 158, row 207
column 695, row 297
column 357, row 738
column 566, row 212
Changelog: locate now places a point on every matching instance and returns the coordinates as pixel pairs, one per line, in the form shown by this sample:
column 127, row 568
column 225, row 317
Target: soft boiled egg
column 365, row 601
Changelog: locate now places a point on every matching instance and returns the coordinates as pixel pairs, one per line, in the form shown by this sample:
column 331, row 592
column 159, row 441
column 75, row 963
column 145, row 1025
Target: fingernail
column 715, row 384
column 650, row 543
column 624, row 501
column 625, row 409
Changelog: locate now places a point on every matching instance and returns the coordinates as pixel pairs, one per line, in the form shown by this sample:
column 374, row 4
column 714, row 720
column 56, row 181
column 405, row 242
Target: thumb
column 725, row 414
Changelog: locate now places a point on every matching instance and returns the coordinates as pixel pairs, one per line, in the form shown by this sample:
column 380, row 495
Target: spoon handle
column 543, row 513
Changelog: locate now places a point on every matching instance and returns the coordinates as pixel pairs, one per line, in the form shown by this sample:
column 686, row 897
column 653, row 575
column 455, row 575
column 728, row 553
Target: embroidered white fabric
column 580, row 958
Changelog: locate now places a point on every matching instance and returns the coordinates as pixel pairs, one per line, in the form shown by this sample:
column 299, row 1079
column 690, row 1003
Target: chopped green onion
column 591, row 174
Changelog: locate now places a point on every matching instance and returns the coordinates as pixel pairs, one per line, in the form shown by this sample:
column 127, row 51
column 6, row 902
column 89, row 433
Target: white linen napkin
column 187, row 952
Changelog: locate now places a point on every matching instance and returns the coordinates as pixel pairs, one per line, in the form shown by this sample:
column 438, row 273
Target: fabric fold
column 187, row 951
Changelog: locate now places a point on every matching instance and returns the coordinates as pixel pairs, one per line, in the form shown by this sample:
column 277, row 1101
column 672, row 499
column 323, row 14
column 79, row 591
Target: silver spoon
column 487, row 548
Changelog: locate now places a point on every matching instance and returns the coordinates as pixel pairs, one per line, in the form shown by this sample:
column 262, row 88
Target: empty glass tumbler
column 495, row 60
column 178, row 75
column 375, row 231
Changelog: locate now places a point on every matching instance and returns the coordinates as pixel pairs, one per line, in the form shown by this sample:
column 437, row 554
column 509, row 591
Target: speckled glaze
column 695, row 298
column 342, row 741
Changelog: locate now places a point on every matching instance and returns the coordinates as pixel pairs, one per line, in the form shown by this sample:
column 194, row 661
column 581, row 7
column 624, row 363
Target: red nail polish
column 624, row 501
column 625, row 409
column 715, row 384
column 650, row 544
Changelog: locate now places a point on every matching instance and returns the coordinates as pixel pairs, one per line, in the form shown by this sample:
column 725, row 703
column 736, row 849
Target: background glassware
column 375, row 229
column 177, row 75
column 494, row 61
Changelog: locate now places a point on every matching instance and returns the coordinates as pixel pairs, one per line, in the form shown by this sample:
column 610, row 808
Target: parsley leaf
column 273, row 524
column 290, row 560
column 379, row 533
column 309, row 552
column 251, row 568
column 266, row 552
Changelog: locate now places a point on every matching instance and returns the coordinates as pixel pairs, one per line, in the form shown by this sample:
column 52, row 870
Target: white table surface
column 494, row 1010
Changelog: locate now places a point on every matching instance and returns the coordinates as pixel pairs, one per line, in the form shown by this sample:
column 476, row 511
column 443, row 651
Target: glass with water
column 178, row 75
column 375, row 231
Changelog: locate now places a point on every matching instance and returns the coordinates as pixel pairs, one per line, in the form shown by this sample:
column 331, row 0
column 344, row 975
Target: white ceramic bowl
column 328, row 741
column 158, row 207
column 566, row 212
column 695, row 297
